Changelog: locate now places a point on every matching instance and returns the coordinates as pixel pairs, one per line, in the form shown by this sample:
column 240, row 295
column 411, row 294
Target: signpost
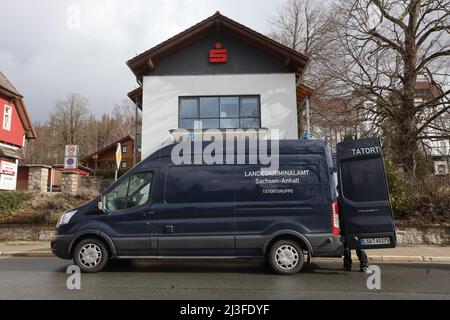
column 118, row 159
column 71, row 157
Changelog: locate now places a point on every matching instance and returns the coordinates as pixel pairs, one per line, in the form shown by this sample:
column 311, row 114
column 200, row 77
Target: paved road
column 45, row 278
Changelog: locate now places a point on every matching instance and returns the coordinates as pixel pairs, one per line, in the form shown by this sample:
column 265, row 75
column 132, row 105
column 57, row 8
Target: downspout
column 135, row 132
column 308, row 118
column 136, row 103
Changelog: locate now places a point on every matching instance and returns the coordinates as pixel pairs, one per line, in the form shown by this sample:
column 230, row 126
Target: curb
column 32, row 254
column 407, row 259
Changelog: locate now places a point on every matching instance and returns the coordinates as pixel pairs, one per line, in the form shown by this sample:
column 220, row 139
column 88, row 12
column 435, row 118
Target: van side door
column 197, row 217
column 131, row 222
column 368, row 221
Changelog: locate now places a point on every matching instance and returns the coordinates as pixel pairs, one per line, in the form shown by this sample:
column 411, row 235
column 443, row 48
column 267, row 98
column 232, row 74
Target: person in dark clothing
column 363, row 261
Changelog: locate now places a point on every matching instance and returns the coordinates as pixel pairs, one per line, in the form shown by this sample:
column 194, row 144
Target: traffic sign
column 71, row 151
column 71, row 163
column 119, row 155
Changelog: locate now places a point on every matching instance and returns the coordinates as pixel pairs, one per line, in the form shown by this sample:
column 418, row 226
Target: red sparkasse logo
column 218, row 54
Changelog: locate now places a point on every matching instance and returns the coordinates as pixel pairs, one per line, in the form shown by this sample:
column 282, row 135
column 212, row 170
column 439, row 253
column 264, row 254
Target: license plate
column 374, row 241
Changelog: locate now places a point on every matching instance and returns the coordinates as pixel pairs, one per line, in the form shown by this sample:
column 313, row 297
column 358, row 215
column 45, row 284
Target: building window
column 441, row 167
column 124, row 149
column 7, row 117
column 124, row 165
column 226, row 112
column 443, row 148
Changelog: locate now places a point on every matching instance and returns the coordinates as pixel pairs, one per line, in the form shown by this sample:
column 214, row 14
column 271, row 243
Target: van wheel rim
column 286, row 257
column 90, row 255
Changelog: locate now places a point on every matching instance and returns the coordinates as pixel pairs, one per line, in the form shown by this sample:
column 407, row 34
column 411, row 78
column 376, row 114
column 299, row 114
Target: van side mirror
column 100, row 206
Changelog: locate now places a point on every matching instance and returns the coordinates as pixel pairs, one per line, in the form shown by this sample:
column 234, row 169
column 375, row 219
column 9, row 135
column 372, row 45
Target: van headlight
column 65, row 218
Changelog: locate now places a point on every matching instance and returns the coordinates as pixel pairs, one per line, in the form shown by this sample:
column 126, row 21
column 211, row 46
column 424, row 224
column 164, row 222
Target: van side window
column 132, row 192
column 199, row 184
column 364, row 180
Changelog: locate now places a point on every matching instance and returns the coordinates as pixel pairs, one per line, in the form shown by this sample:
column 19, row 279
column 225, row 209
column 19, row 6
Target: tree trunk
column 407, row 126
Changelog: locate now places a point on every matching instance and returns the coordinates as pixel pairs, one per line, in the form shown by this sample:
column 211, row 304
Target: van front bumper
column 60, row 245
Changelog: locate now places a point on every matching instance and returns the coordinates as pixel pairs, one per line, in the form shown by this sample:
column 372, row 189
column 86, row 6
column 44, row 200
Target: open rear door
column 368, row 221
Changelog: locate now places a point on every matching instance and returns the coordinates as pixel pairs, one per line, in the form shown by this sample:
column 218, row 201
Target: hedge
column 11, row 201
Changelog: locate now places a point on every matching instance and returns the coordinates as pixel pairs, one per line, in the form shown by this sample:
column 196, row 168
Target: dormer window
column 7, row 117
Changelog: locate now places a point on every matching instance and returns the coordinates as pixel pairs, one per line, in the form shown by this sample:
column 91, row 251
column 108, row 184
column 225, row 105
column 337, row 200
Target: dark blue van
column 165, row 210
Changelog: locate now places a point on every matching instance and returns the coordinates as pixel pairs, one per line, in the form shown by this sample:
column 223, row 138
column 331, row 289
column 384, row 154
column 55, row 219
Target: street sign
column 71, row 151
column 8, row 168
column 119, row 155
column 71, row 163
column 8, row 174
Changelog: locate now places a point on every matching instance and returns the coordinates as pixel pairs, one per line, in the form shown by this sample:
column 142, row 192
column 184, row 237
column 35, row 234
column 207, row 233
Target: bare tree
column 382, row 48
column 300, row 25
column 69, row 117
column 303, row 25
column 125, row 115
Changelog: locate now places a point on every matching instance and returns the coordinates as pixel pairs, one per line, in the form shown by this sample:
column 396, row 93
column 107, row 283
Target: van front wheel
column 91, row 255
column 286, row 257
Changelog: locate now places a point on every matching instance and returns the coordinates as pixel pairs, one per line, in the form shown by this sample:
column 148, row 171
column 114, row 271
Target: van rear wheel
column 286, row 257
column 91, row 255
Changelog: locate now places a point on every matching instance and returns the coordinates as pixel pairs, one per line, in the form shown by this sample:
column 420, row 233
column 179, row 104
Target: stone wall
column 38, row 178
column 423, row 235
column 70, row 183
column 25, row 233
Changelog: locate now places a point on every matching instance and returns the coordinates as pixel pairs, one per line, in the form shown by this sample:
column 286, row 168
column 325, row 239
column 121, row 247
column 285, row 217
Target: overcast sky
column 46, row 53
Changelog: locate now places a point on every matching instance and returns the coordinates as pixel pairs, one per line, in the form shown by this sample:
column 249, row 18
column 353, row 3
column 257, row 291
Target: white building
column 221, row 74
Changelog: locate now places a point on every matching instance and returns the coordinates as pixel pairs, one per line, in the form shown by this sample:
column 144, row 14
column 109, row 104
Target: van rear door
column 367, row 216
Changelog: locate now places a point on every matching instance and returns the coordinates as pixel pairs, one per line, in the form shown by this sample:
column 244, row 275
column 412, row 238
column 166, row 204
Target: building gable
column 243, row 58
column 199, row 39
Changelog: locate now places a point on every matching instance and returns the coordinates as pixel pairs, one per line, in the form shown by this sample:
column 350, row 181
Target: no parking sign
column 71, row 157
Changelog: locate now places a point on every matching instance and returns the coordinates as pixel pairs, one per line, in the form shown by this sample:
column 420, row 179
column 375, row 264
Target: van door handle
column 168, row 229
column 149, row 213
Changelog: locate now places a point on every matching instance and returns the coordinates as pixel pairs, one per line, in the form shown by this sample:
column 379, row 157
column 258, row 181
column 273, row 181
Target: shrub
column 49, row 201
column 399, row 191
column 426, row 199
column 86, row 194
column 431, row 201
column 109, row 173
column 12, row 201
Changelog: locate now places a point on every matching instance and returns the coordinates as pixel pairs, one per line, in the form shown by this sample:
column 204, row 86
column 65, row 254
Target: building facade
column 15, row 130
column 221, row 75
column 105, row 159
column 352, row 117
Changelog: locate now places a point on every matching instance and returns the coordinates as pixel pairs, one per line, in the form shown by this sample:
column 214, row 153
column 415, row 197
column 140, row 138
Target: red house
column 15, row 129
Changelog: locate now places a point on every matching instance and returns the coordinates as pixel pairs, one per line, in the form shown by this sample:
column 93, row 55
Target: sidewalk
column 398, row 255
column 25, row 249
column 411, row 254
